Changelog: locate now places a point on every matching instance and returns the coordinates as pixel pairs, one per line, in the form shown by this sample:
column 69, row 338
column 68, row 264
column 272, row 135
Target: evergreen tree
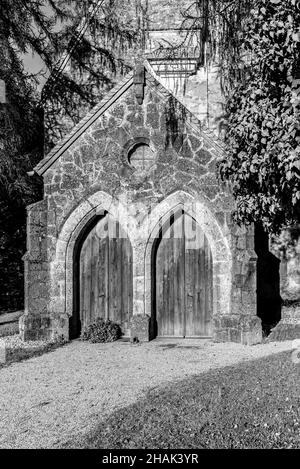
column 94, row 55
column 23, row 27
column 30, row 26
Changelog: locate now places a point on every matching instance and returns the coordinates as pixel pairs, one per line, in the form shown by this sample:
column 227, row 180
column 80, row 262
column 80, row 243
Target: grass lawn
column 251, row 405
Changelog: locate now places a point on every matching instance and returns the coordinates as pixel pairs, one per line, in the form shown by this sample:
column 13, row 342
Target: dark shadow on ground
column 186, row 347
column 254, row 404
column 19, row 354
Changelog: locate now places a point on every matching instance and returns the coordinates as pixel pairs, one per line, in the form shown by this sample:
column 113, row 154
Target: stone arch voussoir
column 61, row 267
column 219, row 244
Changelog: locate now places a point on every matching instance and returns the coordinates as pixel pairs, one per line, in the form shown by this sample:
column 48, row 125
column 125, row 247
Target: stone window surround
column 141, row 248
column 138, row 160
column 132, row 143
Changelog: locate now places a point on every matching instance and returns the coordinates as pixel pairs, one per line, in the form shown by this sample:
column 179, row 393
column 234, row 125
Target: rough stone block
column 284, row 332
column 251, row 330
column 139, row 328
column 60, row 327
column 37, row 327
column 244, row 329
column 31, row 327
column 289, row 326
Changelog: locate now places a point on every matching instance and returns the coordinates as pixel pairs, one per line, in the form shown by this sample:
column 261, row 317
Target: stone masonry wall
column 96, row 161
column 184, row 170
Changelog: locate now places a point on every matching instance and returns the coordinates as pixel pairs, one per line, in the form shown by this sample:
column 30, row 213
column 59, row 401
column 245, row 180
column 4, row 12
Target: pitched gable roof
column 84, row 124
column 111, row 97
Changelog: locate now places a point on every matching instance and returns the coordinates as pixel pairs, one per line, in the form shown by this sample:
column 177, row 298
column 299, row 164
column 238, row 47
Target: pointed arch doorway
column 103, row 269
column 182, row 279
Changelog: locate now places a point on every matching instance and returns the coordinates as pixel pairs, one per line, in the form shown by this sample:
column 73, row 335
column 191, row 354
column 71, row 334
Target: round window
column 141, row 157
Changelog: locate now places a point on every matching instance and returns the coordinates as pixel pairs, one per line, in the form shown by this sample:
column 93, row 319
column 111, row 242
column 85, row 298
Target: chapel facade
column 134, row 225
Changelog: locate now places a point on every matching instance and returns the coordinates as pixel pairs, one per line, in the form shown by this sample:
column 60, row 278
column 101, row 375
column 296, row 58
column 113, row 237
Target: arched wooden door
column 183, row 279
column 105, row 274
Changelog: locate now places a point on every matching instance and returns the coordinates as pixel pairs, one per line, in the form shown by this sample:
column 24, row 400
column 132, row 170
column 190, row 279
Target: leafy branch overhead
column 256, row 45
column 263, row 138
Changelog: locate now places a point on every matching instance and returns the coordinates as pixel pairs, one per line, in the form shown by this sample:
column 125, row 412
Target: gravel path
column 47, row 400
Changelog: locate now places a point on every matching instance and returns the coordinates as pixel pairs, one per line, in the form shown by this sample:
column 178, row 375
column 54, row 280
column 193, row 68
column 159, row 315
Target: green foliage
column 102, row 330
column 263, row 139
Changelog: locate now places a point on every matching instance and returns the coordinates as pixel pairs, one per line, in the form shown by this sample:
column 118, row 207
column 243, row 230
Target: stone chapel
column 134, row 224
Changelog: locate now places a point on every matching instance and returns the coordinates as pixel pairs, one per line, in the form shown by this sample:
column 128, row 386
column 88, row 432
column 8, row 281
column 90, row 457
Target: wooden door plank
column 106, row 265
column 85, row 268
column 159, row 262
column 129, row 277
column 105, row 270
column 124, row 281
column 189, row 291
column 170, row 279
column 198, row 286
column 82, row 285
column 102, row 276
column 94, row 276
column 165, row 304
column 119, row 280
column 208, row 290
column 179, row 274
column 112, row 274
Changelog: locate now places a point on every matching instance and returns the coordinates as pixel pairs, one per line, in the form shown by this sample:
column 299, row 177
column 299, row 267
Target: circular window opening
column 141, row 157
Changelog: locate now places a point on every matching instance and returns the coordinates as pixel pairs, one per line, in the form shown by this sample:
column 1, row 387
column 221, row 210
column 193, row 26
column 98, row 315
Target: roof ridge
column 193, row 121
column 96, row 112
